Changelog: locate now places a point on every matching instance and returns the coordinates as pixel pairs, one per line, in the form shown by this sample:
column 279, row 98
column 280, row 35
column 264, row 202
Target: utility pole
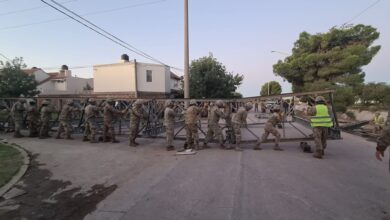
column 186, row 54
column 268, row 87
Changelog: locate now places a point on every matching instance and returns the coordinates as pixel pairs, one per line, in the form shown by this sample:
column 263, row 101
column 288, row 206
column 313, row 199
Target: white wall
column 40, row 75
column 114, row 77
column 160, row 78
column 175, row 84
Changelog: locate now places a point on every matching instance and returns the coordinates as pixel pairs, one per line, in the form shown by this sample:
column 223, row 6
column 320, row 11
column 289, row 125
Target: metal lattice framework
column 154, row 108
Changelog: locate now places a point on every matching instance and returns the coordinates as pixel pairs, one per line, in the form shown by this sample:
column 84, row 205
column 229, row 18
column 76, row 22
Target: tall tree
column 209, row 79
column 14, row 82
column 271, row 88
column 331, row 60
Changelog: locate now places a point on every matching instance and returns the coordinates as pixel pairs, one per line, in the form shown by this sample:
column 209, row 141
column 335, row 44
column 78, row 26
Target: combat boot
column 277, row 148
column 132, row 144
column 93, row 141
column 222, row 146
column 205, row 146
column 58, row 136
column 85, row 139
column 170, row 148
column 318, row 154
column 115, row 141
column 18, row 135
column 257, row 147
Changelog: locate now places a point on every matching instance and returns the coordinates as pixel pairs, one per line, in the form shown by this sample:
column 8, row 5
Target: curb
column 26, row 163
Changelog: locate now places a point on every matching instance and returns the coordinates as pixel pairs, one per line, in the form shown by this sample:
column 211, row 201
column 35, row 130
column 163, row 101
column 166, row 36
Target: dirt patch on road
column 47, row 199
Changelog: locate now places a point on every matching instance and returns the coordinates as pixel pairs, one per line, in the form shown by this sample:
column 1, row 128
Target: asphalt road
column 349, row 183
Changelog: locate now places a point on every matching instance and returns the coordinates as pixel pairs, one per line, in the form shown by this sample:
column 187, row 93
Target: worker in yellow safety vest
column 320, row 121
column 378, row 122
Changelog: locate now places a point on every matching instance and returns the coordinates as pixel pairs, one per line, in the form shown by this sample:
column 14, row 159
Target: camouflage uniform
column 91, row 114
column 320, row 134
column 17, row 116
column 270, row 127
column 213, row 124
column 110, row 114
column 238, row 120
column 169, row 123
column 33, row 119
column 65, row 120
column 191, row 125
column 383, row 141
column 46, row 111
column 136, row 115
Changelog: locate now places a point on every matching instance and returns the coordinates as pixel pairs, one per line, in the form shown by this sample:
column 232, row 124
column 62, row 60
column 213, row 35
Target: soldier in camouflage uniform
column 320, row 122
column 191, row 118
column 65, row 120
column 33, row 118
column 110, row 114
column 215, row 114
column 91, row 113
column 383, row 141
column 137, row 113
column 46, row 111
column 17, row 116
column 169, row 123
column 238, row 120
column 270, row 127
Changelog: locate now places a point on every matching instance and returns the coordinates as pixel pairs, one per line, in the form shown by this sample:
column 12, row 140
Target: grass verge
column 10, row 162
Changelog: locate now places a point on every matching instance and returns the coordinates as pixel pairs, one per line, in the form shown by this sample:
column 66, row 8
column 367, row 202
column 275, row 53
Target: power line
column 5, row 57
column 104, row 34
column 109, row 34
column 86, row 14
column 362, row 12
column 31, row 9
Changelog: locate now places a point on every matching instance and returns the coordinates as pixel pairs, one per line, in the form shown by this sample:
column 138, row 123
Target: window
column 148, row 76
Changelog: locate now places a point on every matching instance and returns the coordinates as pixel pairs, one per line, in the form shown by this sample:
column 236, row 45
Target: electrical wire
column 104, row 33
column 111, row 35
column 5, row 57
column 31, row 9
column 360, row 13
column 86, row 14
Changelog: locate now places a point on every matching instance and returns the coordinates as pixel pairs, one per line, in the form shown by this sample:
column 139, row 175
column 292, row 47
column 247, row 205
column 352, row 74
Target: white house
column 60, row 83
column 135, row 79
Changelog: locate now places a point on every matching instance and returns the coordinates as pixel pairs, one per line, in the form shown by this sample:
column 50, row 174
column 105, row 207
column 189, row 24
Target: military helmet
column 22, row 99
column 320, row 99
column 248, row 106
column 219, row 103
column 168, row 103
column 138, row 102
column 45, row 102
column 69, row 102
column 32, row 101
column 92, row 100
column 110, row 101
column 192, row 102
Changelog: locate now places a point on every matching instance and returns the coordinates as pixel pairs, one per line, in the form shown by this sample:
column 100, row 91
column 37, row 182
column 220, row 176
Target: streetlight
column 284, row 53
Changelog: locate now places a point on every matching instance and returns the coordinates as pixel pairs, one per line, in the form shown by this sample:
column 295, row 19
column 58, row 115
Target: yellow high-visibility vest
column 322, row 117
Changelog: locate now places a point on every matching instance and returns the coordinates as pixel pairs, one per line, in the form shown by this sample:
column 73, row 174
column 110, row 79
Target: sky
column 240, row 34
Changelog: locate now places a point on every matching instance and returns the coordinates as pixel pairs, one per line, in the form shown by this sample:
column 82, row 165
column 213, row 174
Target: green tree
column 14, row 82
column 209, row 79
column 271, row 88
column 375, row 93
column 332, row 60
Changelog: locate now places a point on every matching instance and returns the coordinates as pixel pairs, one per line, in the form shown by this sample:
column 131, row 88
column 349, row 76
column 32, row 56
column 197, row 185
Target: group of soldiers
column 39, row 122
column 39, row 119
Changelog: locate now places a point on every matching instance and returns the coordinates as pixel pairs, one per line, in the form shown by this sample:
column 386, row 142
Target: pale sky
column 240, row 34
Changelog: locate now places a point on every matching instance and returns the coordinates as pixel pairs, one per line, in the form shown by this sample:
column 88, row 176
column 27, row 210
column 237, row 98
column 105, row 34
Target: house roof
column 174, row 76
column 31, row 71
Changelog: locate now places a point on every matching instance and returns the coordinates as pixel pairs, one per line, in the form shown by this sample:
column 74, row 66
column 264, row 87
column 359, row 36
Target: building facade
column 60, row 83
column 135, row 79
